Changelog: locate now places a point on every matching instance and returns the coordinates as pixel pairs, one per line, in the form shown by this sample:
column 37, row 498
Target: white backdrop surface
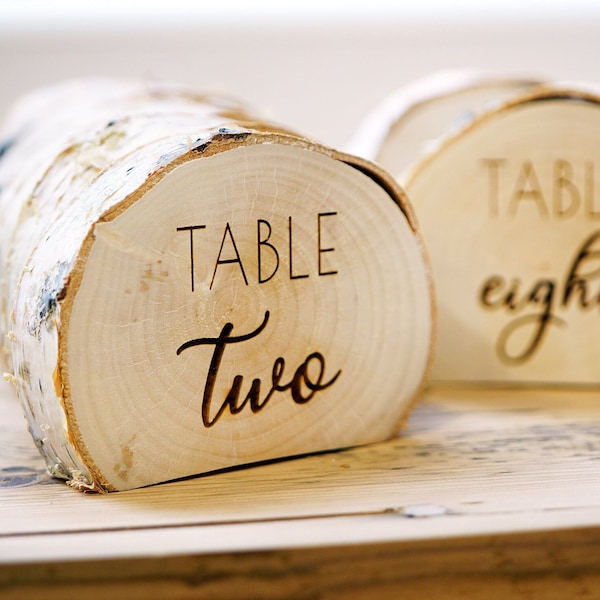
column 318, row 67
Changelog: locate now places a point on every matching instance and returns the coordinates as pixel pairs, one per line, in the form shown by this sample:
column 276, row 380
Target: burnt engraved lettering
column 560, row 188
column 225, row 261
column 264, row 243
column 291, row 253
column 493, row 165
column 270, row 251
column 527, row 187
column 320, row 249
column 302, row 386
column 544, row 299
column 191, row 229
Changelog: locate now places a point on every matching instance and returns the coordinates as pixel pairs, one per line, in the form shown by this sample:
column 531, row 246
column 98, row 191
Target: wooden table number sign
column 505, row 187
column 186, row 288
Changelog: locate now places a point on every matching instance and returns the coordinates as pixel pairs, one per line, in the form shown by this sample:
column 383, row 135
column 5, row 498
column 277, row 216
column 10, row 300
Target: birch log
column 414, row 120
column 187, row 289
column 510, row 208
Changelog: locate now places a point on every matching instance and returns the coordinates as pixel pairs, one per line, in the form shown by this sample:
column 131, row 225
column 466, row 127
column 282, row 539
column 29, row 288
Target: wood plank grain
column 487, row 494
column 489, row 457
column 542, row 565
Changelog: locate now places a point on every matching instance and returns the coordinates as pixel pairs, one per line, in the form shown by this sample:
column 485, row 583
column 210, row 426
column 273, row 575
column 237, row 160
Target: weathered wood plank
column 542, row 565
column 489, row 494
column 465, row 454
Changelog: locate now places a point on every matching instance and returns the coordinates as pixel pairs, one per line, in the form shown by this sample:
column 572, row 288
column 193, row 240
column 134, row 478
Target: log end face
column 510, row 210
column 264, row 301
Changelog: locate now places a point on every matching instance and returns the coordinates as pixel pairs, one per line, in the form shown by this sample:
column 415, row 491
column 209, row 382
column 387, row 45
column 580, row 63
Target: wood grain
column 503, row 177
column 412, row 121
column 516, row 566
column 524, row 201
column 187, row 289
column 487, row 492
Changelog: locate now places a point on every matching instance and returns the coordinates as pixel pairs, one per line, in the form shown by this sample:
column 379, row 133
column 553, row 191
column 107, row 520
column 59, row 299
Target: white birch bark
column 503, row 177
column 79, row 160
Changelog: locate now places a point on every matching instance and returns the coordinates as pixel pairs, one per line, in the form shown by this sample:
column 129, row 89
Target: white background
column 317, row 67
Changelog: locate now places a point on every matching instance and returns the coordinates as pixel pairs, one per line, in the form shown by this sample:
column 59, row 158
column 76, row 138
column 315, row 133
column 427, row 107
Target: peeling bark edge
column 219, row 142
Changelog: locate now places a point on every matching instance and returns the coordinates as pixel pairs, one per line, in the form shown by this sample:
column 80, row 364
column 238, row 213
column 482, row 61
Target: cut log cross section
column 509, row 203
column 188, row 290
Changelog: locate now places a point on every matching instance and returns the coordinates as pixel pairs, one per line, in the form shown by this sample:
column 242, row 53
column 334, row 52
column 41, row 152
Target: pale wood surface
column 412, row 121
column 494, row 490
column 186, row 289
column 508, row 205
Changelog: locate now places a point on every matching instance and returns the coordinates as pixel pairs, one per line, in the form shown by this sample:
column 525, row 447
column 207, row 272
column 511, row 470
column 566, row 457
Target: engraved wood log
column 187, row 289
column 509, row 206
column 415, row 119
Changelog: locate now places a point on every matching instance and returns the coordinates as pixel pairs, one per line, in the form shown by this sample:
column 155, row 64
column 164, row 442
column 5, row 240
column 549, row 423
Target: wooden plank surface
column 503, row 483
